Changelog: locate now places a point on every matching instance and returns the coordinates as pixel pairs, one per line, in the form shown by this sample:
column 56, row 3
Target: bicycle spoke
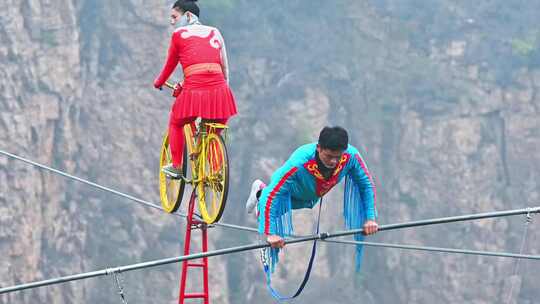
column 168, row 155
column 213, row 157
column 214, row 203
column 172, row 190
column 218, row 157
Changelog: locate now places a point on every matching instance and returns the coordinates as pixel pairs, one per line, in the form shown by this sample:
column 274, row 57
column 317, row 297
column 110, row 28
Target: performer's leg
column 177, row 145
column 254, row 195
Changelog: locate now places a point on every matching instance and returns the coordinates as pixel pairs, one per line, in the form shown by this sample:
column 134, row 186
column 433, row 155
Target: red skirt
column 204, row 95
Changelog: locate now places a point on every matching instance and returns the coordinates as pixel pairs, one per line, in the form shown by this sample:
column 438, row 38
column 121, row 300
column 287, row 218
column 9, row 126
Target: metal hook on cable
column 529, row 215
column 118, row 280
column 528, row 220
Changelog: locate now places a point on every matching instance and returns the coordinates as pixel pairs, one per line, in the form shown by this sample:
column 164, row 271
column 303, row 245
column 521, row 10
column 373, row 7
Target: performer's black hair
column 334, row 138
column 187, row 6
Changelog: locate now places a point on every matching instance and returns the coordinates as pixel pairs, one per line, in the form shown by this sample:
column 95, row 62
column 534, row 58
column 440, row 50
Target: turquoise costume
column 300, row 184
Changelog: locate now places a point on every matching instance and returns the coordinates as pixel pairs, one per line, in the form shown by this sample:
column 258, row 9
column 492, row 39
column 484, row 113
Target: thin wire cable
column 84, row 181
column 155, row 206
column 320, row 236
column 439, row 249
column 237, row 227
column 116, row 192
column 528, row 220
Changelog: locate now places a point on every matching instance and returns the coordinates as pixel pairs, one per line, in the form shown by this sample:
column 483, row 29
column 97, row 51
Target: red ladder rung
column 194, row 295
column 196, row 265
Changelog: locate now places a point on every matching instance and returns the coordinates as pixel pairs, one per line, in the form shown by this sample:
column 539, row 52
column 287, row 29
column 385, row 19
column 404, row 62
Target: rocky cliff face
column 443, row 132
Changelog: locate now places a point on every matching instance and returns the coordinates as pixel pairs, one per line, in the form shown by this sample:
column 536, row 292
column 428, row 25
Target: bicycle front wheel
column 215, row 186
column 171, row 191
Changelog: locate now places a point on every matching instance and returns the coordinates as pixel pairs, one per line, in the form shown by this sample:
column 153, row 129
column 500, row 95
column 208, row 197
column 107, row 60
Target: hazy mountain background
column 439, row 95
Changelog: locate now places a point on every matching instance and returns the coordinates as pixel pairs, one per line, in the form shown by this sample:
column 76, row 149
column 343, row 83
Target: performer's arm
column 361, row 176
column 170, row 64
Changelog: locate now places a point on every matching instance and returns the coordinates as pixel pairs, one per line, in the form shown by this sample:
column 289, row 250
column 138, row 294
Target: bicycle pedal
column 173, row 176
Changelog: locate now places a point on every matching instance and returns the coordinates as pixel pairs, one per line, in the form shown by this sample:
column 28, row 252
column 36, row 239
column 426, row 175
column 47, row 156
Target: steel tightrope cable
column 236, row 249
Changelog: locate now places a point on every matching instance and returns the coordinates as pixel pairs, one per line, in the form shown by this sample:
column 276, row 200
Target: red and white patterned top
column 193, row 44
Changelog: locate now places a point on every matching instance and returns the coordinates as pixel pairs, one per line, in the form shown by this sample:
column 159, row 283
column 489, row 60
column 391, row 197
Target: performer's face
column 175, row 16
column 329, row 158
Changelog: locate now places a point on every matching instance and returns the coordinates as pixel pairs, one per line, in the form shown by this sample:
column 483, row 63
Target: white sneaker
column 252, row 199
column 172, row 172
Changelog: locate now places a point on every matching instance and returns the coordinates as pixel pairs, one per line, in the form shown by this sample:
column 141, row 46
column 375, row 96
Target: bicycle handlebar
column 170, row 85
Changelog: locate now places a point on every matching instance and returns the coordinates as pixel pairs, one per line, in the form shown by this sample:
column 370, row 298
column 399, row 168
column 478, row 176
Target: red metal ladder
column 192, row 224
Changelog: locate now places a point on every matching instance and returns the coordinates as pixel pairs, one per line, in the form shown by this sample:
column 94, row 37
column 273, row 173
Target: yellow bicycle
column 209, row 174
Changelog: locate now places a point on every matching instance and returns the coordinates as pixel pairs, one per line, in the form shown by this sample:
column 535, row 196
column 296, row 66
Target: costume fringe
column 284, row 228
column 355, row 214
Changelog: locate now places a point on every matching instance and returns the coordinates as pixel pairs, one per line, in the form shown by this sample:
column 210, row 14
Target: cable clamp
column 323, row 235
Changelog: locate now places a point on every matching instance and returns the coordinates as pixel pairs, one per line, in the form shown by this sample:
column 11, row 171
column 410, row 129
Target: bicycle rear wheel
column 215, row 186
column 171, row 191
